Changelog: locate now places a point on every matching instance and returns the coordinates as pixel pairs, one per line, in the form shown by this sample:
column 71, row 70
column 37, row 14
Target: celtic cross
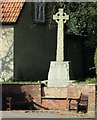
column 60, row 17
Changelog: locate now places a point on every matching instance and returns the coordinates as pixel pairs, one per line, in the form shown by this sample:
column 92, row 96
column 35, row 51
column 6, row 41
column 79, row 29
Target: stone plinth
column 58, row 75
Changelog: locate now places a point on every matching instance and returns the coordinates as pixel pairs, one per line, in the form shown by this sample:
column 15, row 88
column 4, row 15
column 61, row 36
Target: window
column 39, row 12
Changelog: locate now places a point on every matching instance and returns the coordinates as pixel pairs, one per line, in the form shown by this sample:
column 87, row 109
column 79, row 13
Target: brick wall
column 75, row 90
column 54, row 98
column 54, row 103
column 30, row 89
column 72, row 91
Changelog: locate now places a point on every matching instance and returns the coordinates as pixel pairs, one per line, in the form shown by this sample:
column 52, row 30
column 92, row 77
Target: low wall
column 75, row 90
column 54, row 98
column 30, row 89
column 54, row 103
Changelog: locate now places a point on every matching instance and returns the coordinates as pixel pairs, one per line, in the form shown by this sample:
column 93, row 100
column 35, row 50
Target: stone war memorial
column 59, row 70
column 31, row 62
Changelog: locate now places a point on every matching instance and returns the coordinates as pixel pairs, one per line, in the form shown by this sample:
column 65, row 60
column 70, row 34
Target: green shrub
column 91, row 80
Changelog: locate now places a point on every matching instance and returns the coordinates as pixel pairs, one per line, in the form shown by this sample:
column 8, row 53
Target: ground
column 44, row 114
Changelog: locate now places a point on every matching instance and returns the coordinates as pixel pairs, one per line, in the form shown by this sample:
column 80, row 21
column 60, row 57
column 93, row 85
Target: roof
column 10, row 11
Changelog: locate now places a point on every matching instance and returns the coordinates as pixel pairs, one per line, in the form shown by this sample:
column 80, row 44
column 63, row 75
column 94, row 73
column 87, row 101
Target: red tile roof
column 10, row 11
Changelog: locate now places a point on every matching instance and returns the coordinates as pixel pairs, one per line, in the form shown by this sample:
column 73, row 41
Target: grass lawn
column 86, row 81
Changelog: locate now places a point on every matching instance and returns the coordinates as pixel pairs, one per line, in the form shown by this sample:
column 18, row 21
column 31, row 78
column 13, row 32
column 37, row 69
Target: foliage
column 83, row 20
column 91, row 80
column 88, row 81
column 95, row 60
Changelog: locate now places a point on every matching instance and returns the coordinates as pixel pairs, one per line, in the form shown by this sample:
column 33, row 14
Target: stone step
column 58, row 92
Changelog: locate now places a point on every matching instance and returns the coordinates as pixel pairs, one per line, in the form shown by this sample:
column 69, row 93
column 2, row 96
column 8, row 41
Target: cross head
column 60, row 16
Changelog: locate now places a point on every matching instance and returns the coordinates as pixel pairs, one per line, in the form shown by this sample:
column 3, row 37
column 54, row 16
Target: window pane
column 39, row 12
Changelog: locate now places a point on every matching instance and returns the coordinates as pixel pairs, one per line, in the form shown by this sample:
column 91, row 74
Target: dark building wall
column 74, row 54
column 89, row 62
column 35, row 47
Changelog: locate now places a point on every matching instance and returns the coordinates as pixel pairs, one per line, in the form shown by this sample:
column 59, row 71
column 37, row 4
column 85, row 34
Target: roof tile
column 10, row 11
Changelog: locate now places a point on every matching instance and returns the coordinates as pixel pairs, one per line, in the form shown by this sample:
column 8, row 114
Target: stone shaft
column 60, row 18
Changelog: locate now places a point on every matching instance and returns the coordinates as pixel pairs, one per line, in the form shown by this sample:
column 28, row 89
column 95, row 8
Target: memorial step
column 54, row 92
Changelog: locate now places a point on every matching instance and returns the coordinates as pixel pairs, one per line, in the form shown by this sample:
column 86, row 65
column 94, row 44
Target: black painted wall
column 35, row 47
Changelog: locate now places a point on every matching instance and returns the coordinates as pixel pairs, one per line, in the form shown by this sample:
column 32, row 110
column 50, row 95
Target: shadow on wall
column 14, row 98
column 23, row 97
column 8, row 90
column 6, row 72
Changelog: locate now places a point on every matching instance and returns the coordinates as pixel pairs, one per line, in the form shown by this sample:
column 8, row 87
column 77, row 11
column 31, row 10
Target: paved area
column 42, row 114
column 23, row 114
